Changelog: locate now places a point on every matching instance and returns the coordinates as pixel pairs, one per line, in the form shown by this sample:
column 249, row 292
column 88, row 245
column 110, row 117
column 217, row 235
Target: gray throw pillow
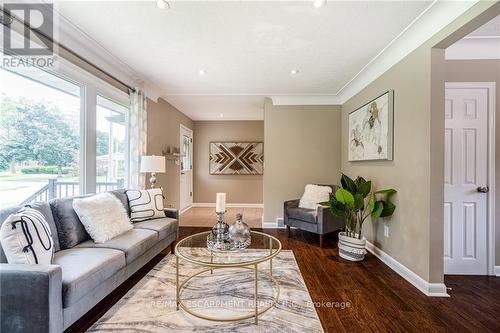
column 69, row 227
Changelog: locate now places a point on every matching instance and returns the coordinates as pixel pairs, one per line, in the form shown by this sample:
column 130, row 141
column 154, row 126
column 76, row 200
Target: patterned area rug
column 150, row 305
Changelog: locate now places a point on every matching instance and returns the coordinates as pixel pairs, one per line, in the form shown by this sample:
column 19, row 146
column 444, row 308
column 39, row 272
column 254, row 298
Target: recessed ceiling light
column 162, row 4
column 319, row 3
column 221, row 115
column 202, row 72
column 294, row 71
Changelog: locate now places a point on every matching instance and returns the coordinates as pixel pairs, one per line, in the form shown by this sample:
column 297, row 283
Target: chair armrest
column 172, row 213
column 31, row 298
column 291, row 204
column 327, row 222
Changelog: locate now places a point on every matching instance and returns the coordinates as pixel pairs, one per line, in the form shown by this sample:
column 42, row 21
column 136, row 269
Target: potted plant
column 354, row 202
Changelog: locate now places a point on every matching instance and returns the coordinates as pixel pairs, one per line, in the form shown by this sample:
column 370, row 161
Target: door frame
column 187, row 129
column 490, row 211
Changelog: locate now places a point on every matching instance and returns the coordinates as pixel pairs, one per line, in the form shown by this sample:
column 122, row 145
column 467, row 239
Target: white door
column 466, row 180
column 186, row 168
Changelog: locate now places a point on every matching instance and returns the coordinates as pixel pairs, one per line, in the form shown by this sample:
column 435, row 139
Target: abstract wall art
column 236, row 158
column 371, row 130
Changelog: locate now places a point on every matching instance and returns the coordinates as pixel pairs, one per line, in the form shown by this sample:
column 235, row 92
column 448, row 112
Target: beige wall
column 302, row 146
column 416, row 229
column 239, row 188
column 164, row 130
column 482, row 71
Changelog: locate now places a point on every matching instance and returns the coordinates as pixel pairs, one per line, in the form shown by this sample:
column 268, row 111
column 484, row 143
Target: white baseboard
column 277, row 224
column 185, row 209
column 497, row 271
column 228, row 205
column 429, row 289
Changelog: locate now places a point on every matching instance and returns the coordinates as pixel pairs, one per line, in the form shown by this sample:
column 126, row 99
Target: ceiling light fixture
column 162, row 4
column 203, row 72
column 221, row 115
column 319, row 3
column 294, row 71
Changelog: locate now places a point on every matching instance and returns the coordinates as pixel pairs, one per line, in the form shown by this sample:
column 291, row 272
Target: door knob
column 483, row 189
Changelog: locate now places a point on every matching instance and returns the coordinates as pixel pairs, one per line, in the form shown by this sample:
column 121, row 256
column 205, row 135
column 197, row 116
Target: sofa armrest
column 31, row 298
column 172, row 213
column 327, row 222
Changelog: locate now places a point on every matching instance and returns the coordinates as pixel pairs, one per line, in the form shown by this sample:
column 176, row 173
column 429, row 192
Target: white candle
column 220, row 206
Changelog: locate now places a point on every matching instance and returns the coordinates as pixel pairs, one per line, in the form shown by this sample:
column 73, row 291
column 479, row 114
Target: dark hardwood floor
column 365, row 296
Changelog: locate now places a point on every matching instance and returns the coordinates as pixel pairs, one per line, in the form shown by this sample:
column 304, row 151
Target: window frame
column 90, row 87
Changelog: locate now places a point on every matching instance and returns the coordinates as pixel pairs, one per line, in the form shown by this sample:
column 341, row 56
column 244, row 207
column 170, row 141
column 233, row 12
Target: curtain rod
column 44, row 38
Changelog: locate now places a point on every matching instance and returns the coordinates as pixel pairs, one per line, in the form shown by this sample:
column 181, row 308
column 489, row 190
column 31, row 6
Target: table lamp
column 153, row 164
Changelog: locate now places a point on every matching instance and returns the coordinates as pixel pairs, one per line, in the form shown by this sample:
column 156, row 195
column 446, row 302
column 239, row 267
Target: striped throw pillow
column 145, row 204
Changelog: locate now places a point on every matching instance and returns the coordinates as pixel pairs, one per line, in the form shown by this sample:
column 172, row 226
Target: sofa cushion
column 163, row 227
column 122, row 196
column 69, row 228
column 42, row 207
column 83, row 269
column 303, row 214
column 134, row 243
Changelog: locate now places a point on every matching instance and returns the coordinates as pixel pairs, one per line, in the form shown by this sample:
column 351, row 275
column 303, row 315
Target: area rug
column 150, row 305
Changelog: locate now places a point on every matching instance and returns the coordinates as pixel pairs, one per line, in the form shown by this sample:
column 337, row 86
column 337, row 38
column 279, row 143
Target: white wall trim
column 305, row 99
column 497, row 271
column 228, row 205
column 429, row 289
column 491, row 87
column 185, row 209
column 474, row 48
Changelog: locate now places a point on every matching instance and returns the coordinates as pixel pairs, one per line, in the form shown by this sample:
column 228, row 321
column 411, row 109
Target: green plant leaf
column 388, row 210
column 364, row 188
column 379, row 206
column 348, row 184
column 371, row 203
column 345, row 197
column 359, row 201
column 388, row 191
column 337, row 208
column 325, row 203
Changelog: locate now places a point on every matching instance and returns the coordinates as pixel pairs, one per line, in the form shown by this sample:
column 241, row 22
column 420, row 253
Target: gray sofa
column 49, row 298
column 319, row 221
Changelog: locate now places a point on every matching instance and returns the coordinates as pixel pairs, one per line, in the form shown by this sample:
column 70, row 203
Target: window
column 186, row 153
column 61, row 134
column 40, row 136
column 111, row 144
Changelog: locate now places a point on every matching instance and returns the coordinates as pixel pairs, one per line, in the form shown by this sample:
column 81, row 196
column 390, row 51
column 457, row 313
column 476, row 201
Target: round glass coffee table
column 263, row 248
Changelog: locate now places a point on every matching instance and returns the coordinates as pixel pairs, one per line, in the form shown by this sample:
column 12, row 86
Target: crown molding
column 305, row 100
column 434, row 18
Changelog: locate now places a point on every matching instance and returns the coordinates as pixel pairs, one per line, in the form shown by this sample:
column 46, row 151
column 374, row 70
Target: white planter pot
column 352, row 249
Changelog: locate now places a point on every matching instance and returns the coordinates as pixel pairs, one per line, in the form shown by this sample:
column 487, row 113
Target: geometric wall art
column 236, row 158
column 371, row 130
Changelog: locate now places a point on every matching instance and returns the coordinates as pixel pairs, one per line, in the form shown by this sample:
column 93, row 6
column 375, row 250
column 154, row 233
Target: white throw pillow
column 26, row 238
column 103, row 216
column 314, row 194
column 145, row 204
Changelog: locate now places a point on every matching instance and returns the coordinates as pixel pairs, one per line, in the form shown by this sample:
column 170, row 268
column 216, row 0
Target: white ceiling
column 247, row 48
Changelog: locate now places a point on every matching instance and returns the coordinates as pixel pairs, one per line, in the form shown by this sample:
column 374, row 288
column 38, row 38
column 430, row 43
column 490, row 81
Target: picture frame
column 371, row 130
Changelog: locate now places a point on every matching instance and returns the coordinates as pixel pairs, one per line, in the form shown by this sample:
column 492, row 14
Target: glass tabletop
column 194, row 249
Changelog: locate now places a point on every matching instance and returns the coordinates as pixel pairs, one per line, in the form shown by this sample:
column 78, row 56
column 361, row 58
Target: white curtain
column 138, row 138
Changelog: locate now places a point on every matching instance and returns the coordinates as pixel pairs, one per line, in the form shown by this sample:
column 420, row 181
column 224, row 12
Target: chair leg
column 321, row 239
column 172, row 247
column 288, row 230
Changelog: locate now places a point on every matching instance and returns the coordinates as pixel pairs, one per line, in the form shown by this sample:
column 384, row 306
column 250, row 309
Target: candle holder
column 218, row 239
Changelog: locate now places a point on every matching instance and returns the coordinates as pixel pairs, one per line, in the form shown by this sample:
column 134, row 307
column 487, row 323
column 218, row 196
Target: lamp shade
column 152, row 163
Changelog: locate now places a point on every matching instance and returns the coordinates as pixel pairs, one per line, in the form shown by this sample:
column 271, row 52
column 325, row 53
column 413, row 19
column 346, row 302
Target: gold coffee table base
column 254, row 314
